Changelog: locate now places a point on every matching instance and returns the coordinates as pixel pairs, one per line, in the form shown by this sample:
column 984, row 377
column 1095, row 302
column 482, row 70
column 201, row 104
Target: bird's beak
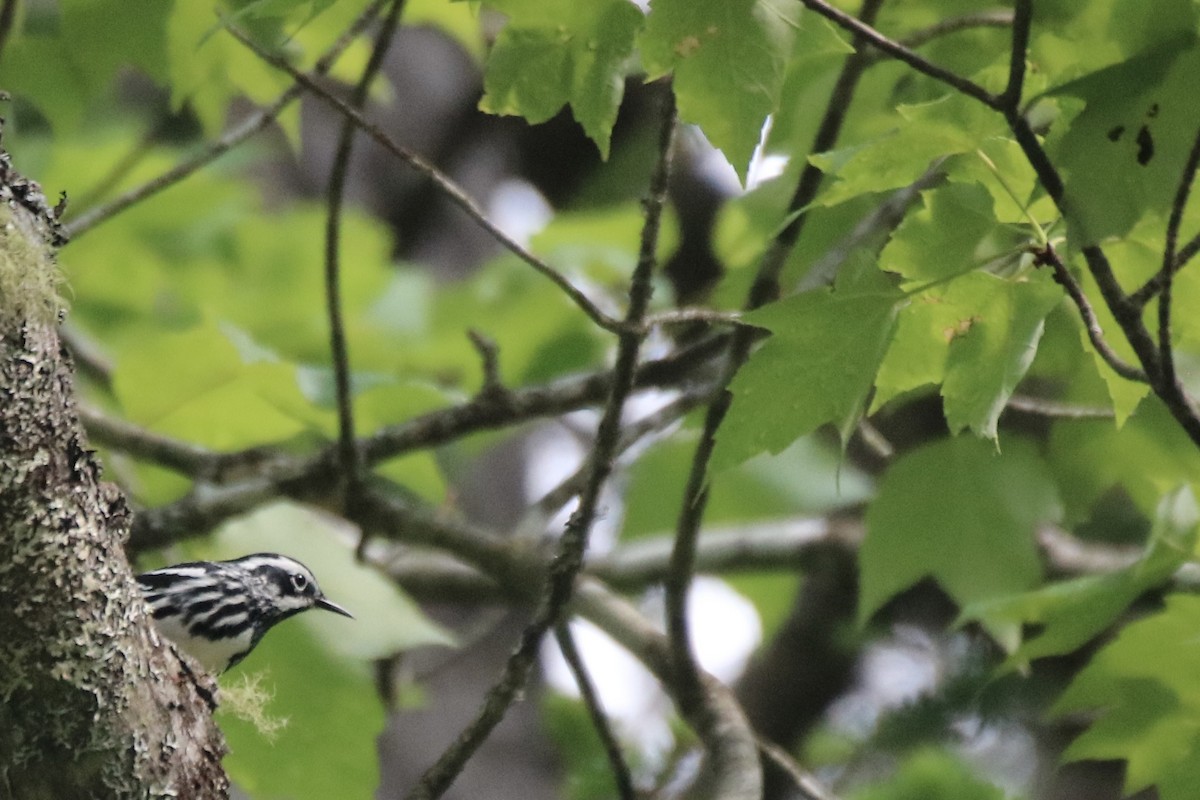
column 329, row 605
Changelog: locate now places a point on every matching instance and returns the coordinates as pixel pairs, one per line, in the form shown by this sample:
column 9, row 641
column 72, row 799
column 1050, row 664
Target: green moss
column 29, row 278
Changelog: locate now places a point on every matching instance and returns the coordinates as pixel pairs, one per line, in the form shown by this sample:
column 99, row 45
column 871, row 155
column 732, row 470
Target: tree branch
column 1166, row 347
column 1049, row 256
column 276, row 473
column 1000, row 18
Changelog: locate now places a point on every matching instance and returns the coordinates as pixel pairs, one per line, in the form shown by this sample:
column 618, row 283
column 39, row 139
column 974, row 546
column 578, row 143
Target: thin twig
column 1166, row 347
column 1187, row 252
column 1010, row 100
column 764, row 289
column 805, row 782
column 1049, row 256
column 568, row 559
column 573, row 484
column 347, row 448
column 1042, row 407
column 137, row 153
column 999, row 18
column 1148, row 290
column 489, row 357
column 869, row 35
column 443, row 182
column 587, row 691
column 235, row 136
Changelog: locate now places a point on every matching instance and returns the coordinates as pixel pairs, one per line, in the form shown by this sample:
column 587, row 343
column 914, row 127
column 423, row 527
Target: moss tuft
column 29, row 278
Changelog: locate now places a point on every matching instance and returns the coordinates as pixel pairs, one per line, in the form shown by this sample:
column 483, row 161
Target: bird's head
column 290, row 585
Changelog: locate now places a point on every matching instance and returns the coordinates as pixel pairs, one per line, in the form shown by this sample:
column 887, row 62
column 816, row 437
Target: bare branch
column 1000, row 18
column 587, row 691
column 735, row 772
column 1050, row 257
column 1166, row 348
column 1042, row 407
column 235, row 136
column 184, row 457
column 277, row 474
column 810, row 788
column 573, row 484
column 489, row 356
column 443, row 182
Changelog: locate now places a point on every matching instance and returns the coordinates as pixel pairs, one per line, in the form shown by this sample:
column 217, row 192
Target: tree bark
column 92, row 702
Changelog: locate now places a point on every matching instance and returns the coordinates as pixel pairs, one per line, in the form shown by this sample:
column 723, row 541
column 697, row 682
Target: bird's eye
column 299, row 581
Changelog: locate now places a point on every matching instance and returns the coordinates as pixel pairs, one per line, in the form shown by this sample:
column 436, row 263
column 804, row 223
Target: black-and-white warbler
column 217, row 611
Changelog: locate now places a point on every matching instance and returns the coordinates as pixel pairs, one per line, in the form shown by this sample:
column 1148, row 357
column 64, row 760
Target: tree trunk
column 92, row 703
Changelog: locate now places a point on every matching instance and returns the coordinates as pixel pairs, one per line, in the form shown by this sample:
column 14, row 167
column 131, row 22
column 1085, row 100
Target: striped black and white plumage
column 217, row 611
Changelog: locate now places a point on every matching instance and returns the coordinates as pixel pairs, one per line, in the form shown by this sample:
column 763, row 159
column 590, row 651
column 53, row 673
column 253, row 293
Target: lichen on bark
column 91, row 703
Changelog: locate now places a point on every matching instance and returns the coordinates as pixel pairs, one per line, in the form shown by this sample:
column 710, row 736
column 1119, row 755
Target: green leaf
column 942, row 239
column 196, row 386
column 209, row 69
column 554, row 52
column 1122, row 155
column 729, row 58
column 962, row 514
column 924, row 134
column 931, row 774
column 1068, row 614
column 1143, row 687
column 817, row 368
column 64, row 71
column 975, row 335
column 988, row 359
